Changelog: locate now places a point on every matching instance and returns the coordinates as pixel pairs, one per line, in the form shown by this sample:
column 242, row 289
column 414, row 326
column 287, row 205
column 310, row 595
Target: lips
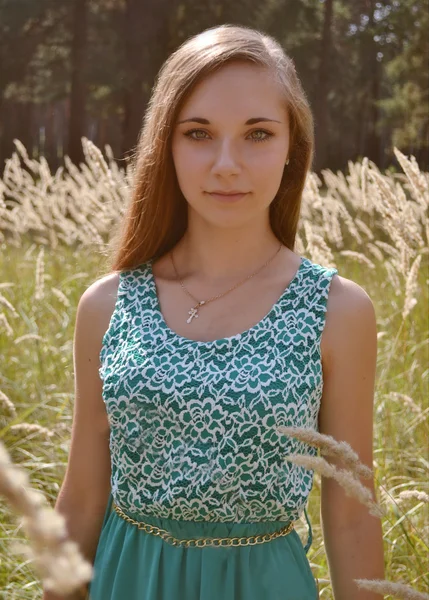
column 230, row 193
column 228, row 196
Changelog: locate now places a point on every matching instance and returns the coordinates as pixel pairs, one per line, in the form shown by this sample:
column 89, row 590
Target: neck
column 223, row 255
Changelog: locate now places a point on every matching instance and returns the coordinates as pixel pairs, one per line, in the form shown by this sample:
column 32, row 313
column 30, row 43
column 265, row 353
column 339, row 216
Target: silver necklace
column 193, row 312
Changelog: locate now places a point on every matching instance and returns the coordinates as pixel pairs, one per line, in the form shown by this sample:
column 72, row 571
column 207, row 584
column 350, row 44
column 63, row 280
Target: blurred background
column 73, row 68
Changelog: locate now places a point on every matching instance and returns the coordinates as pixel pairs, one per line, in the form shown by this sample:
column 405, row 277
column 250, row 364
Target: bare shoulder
column 98, row 301
column 87, row 482
column 350, row 313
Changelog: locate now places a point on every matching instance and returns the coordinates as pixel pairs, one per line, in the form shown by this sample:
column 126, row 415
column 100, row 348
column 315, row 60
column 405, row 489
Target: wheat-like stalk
column 406, row 400
column 8, row 305
column 28, row 336
column 58, row 560
column 411, row 287
column 329, row 445
column 61, row 296
column 417, row 181
column 364, row 228
column 28, row 428
column 397, row 590
column 351, row 485
column 7, row 404
column 363, row 183
column 6, row 325
column 40, row 275
column 417, row 494
column 359, row 257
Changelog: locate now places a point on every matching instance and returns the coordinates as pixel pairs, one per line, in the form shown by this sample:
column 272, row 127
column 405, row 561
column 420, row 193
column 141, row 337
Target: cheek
column 266, row 173
column 269, row 158
column 187, row 160
column 188, row 172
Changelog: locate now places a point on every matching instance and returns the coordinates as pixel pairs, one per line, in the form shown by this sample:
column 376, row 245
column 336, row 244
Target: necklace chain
column 194, row 310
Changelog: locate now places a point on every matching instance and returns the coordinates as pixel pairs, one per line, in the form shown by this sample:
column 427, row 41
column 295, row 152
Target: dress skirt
column 131, row 564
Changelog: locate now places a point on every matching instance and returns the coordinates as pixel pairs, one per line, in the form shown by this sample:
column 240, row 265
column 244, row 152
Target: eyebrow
column 248, row 122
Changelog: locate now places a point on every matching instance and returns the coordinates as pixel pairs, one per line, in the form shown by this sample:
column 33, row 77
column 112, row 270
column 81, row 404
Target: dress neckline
column 225, row 340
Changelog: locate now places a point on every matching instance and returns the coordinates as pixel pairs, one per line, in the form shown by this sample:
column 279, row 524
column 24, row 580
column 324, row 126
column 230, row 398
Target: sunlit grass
column 45, row 271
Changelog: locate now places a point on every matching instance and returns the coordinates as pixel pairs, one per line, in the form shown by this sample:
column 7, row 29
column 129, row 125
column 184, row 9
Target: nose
column 226, row 160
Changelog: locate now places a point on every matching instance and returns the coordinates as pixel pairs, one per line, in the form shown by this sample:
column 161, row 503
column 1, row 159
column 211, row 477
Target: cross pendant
column 194, row 311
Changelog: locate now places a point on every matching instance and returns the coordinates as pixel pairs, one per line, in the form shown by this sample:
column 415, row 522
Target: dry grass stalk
column 364, row 228
column 350, row 223
column 8, row 305
column 388, row 248
column 372, row 248
column 7, row 404
column 393, row 279
column 401, row 221
column 61, row 296
column 28, row 428
column 58, row 560
column 359, row 257
column 363, row 182
column 397, row 590
column 405, row 400
column 417, row 494
column 95, row 158
column 317, row 246
column 351, row 485
column 6, row 325
column 28, row 336
column 40, row 275
column 411, row 287
column 417, row 180
column 330, row 446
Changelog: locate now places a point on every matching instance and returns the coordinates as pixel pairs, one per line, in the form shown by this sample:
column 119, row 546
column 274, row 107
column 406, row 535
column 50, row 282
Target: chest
column 230, row 314
column 288, row 311
column 268, row 374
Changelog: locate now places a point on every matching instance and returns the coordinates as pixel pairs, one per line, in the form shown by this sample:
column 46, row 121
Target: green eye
column 191, row 131
column 263, row 135
column 266, row 134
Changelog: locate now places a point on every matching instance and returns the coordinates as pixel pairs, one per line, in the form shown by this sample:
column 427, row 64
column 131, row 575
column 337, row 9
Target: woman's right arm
column 85, row 490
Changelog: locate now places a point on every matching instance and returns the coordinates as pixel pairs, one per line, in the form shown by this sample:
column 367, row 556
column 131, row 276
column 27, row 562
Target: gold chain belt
column 201, row 542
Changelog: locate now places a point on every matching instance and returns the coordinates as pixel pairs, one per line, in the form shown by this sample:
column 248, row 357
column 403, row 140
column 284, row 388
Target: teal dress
column 195, row 448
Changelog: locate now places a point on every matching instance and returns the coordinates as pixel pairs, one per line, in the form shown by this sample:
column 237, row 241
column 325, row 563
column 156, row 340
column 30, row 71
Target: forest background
column 73, row 68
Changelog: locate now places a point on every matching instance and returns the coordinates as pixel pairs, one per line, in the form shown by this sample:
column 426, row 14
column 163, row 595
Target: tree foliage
column 363, row 64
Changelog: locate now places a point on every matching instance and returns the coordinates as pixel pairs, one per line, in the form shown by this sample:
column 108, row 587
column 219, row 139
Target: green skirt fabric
column 131, row 564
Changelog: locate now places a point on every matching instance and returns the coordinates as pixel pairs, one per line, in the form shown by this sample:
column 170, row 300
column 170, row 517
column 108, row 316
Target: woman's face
column 235, row 138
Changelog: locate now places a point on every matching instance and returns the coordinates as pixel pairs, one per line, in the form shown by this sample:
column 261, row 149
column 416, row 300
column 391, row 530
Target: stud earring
column 287, row 162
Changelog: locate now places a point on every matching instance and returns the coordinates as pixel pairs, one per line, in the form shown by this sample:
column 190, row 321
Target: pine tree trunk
column 321, row 109
column 78, row 80
column 146, row 40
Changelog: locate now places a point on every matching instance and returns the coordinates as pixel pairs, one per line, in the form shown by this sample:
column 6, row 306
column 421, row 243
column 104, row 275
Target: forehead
column 241, row 89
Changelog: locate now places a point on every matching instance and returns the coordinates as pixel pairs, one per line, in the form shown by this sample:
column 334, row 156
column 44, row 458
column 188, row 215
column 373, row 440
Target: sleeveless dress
column 195, row 450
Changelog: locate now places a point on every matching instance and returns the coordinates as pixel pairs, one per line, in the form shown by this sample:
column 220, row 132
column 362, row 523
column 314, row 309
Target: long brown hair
column 156, row 216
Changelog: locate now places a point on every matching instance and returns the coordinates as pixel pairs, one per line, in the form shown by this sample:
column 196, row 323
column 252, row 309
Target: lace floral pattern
column 193, row 424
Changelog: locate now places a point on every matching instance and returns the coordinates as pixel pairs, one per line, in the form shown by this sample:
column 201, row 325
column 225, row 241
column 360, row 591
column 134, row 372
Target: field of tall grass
column 54, row 229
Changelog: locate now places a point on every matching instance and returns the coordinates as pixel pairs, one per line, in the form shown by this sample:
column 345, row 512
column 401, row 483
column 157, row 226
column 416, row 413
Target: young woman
column 209, row 331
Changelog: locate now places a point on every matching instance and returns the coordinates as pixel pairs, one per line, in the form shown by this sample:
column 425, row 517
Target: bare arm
column 84, row 493
column 353, row 537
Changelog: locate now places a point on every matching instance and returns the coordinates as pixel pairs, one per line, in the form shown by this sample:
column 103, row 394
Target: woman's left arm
column 353, row 538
